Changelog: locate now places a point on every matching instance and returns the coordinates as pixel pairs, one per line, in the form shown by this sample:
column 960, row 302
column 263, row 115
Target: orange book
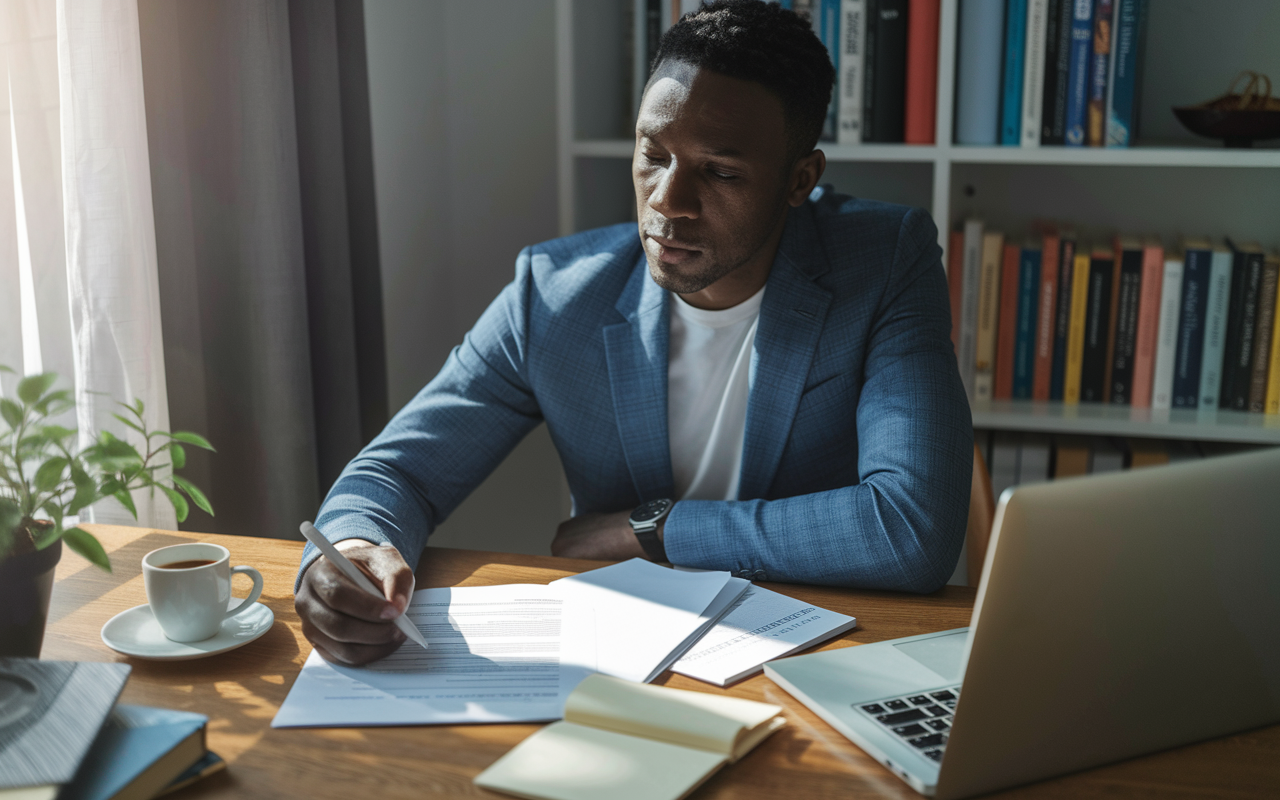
column 922, row 71
column 1144, row 350
column 1044, row 319
column 1007, row 326
column 955, row 284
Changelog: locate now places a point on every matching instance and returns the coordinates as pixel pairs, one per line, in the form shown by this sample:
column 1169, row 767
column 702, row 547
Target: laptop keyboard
column 921, row 720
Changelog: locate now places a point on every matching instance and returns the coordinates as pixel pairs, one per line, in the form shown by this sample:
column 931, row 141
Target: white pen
column 359, row 578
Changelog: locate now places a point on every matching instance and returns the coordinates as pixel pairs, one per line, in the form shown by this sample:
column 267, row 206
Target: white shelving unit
column 1168, row 188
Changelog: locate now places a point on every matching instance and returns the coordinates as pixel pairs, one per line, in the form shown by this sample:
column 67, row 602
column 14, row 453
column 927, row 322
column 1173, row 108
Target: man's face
column 711, row 170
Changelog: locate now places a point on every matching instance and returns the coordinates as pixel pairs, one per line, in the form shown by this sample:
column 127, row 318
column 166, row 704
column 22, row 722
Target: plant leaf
column 126, row 500
column 56, row 433
column 33, row 387
column 47, row 536
column 130, row 423
column 50, row 474
column 9, row 370
column 180, row 507
column 10, row 517
column 83, row 543
column 137, row 407
column 178, row 455
column 54, row 509
column 192, row 438
column 197, row 496
column 12, row 412
column 62, row 399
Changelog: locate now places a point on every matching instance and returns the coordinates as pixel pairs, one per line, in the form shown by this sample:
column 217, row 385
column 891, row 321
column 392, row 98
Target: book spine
column 1075, row 339
column 969, row 303
column 1028, row 305
column 1033, row 72
column 1167, row 343
column 1235, row 324
column 1015, row 42
column 826, row 24
column 849, row 85
column 1043, row 369
column 955, row 284
column 1097, row 319
column 1262, row 341
column 1215, row 327
column 1125, row 347
column 1007, row 330
column 1195, row 298
column 1110, row 345
column 1078, row 74
column 870, row 42
column 1057, row 67
column 890, row 73
column 1240, row 366
column 1144, row 355
column 1123, row 87
column 1273, row 370
column 923, row 17
column 1099, row 64
column 978, row 72
column 988, row 308
column 1062, row 318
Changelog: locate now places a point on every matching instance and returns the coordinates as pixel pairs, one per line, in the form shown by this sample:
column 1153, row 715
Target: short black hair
column 764, row 43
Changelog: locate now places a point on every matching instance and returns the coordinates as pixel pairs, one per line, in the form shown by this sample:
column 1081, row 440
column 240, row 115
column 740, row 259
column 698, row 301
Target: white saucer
column 136, row 633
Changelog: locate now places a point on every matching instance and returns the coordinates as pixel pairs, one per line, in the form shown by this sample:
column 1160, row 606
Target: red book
column 922, row 71
column 1044, row 319
column 955, row 286
column 1144, row 350
column 1007, row 330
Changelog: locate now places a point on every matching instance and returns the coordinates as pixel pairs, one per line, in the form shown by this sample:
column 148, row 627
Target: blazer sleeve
column 902, row 525
column 446, row 441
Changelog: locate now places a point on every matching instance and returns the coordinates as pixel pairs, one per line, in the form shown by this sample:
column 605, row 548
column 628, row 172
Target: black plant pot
column 26, row 582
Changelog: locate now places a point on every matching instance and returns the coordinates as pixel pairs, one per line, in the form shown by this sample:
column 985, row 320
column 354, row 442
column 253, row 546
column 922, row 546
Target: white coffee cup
column 190, row 603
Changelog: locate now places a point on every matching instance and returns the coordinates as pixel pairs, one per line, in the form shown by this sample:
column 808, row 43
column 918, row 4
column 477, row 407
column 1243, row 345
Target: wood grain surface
column 241, row 690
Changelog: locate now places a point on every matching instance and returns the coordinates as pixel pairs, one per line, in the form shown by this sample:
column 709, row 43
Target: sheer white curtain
column 78, row 283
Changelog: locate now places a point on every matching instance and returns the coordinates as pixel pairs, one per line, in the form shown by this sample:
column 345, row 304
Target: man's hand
column 605, row 537
column 346, row 624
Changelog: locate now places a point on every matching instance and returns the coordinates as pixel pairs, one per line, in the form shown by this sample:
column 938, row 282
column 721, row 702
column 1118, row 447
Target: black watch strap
column 644, row 522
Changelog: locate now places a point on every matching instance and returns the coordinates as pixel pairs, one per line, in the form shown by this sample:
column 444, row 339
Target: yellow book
column 632, row 741
column 1075, row 334
column 1273, row 369
column 988, row 311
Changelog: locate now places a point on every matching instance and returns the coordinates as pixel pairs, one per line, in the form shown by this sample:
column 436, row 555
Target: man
column 776, row 361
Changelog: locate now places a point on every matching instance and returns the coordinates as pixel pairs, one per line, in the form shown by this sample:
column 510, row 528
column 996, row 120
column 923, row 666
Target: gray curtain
column 266, row 233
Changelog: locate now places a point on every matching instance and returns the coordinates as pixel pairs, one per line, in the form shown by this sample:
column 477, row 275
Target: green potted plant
column 44, row 480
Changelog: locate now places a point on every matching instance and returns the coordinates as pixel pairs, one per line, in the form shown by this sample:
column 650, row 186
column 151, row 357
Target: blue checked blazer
column 859, row 443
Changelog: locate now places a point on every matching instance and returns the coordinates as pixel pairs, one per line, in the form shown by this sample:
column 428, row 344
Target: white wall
column 462, row 101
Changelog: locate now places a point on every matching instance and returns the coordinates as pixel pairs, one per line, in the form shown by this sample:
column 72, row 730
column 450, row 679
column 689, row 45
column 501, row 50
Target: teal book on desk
column 138, row 753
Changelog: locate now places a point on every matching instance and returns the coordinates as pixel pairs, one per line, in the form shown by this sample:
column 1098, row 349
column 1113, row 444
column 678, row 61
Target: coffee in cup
column 189, row 589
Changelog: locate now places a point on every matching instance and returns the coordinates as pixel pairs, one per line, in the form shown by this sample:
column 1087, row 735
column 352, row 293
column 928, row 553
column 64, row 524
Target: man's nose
column 676, row 193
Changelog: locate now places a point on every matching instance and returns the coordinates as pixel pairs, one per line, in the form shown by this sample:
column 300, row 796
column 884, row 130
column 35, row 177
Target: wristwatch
column 644, row 521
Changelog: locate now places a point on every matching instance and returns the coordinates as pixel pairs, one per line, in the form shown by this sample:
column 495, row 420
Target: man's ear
column 805, row 175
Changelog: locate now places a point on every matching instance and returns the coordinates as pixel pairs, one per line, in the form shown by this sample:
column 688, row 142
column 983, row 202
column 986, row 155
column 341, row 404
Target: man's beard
column 687, row 283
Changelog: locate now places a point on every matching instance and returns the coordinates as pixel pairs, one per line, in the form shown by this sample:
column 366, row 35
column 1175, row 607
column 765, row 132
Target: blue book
column 1215, row 326
column 1078, row 73
column 1015, row 45
column 978, row 72
column 1123, row 91
column 138, row 753
column 827, row 26
column 1024, row 345
column 1195, row 302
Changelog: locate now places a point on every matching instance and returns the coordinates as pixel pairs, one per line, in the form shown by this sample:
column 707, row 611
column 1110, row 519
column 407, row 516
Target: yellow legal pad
column 631, row 741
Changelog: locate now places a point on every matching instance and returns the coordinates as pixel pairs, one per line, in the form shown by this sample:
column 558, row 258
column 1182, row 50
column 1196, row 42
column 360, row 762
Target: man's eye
column 653, row 158
column 724, row 176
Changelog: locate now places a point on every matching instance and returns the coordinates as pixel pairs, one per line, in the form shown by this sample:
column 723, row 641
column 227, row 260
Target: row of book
column 1049, row 72
column 885, row 53
column 1051, row 317
column 1015, row 458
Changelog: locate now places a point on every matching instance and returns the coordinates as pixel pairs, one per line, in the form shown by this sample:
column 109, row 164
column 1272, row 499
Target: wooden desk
column 240, row 691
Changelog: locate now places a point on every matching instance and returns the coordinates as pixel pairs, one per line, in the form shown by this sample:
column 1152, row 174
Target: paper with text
column 762, row 626
column 509, row 653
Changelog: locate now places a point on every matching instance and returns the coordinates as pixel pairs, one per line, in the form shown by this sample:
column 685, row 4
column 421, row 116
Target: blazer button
column 759, row 575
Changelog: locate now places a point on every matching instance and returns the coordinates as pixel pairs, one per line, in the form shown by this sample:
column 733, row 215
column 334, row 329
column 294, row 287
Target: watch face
column 650, row 510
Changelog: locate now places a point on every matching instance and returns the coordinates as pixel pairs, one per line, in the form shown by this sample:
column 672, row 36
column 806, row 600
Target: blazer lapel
column 636, row 353
column 791, row 320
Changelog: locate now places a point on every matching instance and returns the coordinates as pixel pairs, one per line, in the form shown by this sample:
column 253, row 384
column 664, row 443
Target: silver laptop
column 1116, row 615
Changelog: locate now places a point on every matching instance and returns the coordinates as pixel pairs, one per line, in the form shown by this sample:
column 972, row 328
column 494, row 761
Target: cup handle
column 253, row 596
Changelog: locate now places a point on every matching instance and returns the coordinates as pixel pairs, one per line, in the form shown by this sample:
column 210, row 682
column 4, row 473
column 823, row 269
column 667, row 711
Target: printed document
column 760, row 627
column 509, row 653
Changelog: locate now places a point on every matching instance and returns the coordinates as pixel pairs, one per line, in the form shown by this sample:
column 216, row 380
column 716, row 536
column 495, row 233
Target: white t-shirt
column 708, row 381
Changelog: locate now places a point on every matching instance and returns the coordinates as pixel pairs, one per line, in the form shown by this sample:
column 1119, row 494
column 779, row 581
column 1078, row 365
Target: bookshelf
column 1166, row 186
